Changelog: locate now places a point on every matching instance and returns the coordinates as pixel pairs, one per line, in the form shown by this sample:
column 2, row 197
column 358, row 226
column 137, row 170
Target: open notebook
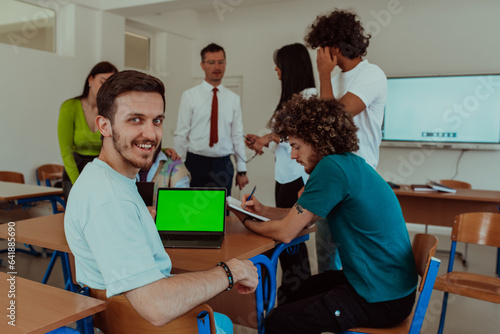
column 236, row 204
column 191, row 217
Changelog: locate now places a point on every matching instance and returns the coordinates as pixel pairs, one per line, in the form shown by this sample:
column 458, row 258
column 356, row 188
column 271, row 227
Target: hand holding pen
column 250, row 140
column 256, row 143
column 249, row 197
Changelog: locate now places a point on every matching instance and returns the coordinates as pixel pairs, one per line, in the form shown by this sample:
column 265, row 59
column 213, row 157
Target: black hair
column 102, row 67
column 212, row 47
column 296, row 70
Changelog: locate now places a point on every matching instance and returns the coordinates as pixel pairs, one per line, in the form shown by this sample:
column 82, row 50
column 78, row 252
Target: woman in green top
column 79, row 139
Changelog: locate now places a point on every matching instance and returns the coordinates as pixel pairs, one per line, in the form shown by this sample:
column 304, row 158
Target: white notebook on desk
column 236, row 204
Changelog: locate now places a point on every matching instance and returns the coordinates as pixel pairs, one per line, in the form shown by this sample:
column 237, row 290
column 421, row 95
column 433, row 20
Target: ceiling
column 131, row 8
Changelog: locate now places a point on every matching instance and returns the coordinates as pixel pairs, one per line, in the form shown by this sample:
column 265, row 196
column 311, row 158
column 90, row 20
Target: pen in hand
column 248, row 139
column 249, row 197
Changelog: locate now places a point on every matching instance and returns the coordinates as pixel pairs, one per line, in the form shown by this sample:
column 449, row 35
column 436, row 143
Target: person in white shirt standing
column 360, row 86
column 209, row 127
column 295, row 71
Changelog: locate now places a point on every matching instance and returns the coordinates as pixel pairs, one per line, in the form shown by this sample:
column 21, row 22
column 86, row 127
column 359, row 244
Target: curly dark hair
column 340, row 29
column 323, row 123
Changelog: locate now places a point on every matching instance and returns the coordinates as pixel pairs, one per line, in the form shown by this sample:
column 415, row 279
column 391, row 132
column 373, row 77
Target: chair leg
column 443, row 313
column 464, row 257
column 50, row 267
column 497, row 270
column 461, row 256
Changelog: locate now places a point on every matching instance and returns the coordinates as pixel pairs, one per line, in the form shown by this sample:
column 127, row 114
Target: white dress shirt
column 193, row 124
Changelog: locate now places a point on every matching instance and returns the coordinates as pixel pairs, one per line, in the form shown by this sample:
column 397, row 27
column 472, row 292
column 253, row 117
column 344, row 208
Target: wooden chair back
column 120, row 317
column 48, row 172
column 11, row 177
column 482, row 228
column 424, row 247
column 455, row 184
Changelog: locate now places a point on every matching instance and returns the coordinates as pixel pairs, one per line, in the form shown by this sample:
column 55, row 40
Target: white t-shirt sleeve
column 370, row 85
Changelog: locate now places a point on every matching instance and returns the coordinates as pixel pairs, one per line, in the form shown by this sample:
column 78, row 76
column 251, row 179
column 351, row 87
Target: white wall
column 409, row 38
column 33, row 85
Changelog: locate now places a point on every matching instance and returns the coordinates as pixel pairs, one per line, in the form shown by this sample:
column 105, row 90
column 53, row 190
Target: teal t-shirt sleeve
column 315, row 195
column 118, row 248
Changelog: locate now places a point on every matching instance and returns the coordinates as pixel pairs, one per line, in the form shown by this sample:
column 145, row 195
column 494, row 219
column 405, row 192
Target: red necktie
column 214, row 136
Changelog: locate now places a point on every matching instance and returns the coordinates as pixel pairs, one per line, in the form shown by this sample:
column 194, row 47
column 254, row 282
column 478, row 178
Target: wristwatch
column 241, row 173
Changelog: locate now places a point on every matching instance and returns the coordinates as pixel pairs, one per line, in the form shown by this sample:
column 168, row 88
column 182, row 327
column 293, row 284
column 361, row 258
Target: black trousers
column 210, row 172
column 328, row 303
column 294, row 261
column 81, row 161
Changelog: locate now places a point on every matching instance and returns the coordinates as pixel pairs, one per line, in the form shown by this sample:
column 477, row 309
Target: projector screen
column 461, row 112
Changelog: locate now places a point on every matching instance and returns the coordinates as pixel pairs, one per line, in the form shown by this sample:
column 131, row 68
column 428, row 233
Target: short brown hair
column 341, row 29
column 212, row 47
column 122, row 82
column 322, row 123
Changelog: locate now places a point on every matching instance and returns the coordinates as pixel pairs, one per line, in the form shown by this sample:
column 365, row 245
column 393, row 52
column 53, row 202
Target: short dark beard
column 146, row 166
column 314, row 160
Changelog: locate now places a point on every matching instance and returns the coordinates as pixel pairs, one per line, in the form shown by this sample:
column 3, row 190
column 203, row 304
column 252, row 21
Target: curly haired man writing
column 376, row 287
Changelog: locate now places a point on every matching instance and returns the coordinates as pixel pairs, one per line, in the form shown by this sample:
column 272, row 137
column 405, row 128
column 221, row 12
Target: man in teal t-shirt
column 376, row 286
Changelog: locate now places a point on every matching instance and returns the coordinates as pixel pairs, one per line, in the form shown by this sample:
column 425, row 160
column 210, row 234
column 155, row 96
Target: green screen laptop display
column 190, row 209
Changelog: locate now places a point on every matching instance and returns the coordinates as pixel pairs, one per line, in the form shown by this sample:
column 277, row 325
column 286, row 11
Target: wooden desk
column 41, row 308
column 26, row 193
column 44, row 231
column 439, row 208
column 48, row 232
column 238, row 243
column 10, row 191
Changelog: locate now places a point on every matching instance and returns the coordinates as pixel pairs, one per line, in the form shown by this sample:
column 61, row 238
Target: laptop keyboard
column 207, row 237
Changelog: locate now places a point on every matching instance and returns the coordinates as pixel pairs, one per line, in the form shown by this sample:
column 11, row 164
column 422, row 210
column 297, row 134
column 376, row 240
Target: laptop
column 146, row 190
column 191, row 217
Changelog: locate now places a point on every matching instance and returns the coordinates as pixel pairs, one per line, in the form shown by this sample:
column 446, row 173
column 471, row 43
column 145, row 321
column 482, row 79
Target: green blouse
column 75, row 136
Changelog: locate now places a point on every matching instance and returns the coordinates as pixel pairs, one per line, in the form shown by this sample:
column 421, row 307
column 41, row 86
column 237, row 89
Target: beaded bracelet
column 228, row 273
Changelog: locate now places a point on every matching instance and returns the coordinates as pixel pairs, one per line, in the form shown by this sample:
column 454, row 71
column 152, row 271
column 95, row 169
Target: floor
column 464, row 315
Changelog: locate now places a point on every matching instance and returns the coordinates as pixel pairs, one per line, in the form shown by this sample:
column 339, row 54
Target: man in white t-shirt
column 360, row 86
column 108, row 227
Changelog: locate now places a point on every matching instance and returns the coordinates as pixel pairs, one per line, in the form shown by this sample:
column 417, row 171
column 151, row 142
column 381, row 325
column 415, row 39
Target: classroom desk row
column 424, row 208
column 36, row 308
column 21, row 193
column 48, row 232
column 440, row 209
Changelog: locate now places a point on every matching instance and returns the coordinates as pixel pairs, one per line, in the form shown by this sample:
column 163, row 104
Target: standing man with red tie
column 209, row 127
